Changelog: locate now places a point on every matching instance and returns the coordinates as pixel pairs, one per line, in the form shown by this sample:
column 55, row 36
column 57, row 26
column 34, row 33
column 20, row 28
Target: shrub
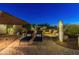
column 72, row 29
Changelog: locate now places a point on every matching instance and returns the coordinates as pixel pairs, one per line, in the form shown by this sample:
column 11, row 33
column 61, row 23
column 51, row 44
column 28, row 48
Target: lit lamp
column 61, row 31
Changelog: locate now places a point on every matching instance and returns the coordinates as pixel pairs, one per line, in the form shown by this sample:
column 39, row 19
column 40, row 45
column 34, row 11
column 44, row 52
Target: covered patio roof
column 6, row 18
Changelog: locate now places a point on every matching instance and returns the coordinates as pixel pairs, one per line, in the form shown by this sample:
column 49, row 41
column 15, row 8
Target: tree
column 71, row 29
column 28, row 27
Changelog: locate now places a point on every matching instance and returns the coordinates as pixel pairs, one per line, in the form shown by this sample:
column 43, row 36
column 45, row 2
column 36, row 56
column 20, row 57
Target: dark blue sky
column 44, row 13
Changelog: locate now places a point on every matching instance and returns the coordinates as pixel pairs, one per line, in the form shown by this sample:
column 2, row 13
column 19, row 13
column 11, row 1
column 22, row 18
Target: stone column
column 60, row 31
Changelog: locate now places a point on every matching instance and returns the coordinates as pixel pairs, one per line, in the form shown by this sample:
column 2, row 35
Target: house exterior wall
column 2, row 29
column 15, row 29
column 12, row 30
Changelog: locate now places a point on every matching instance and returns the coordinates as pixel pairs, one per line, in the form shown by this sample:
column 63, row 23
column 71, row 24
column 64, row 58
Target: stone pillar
column 60, row 31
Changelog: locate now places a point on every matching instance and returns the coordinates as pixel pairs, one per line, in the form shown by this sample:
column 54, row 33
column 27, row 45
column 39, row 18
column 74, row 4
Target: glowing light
column 61, row 31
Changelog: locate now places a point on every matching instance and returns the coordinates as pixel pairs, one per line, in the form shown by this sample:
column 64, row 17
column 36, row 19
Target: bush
column 72, row 29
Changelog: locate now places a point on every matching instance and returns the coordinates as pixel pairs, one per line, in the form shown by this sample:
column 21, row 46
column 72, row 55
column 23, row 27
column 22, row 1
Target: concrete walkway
column 10, row 50
column 48, row 48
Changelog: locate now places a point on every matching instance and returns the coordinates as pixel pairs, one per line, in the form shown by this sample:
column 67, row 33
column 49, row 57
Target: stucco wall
column 15, row 28
column 2, row 29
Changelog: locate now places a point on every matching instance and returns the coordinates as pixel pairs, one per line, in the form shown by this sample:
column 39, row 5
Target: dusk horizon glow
column 43, row 13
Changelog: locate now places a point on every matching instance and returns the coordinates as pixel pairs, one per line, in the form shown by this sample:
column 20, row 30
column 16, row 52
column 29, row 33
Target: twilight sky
column 44, row 13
